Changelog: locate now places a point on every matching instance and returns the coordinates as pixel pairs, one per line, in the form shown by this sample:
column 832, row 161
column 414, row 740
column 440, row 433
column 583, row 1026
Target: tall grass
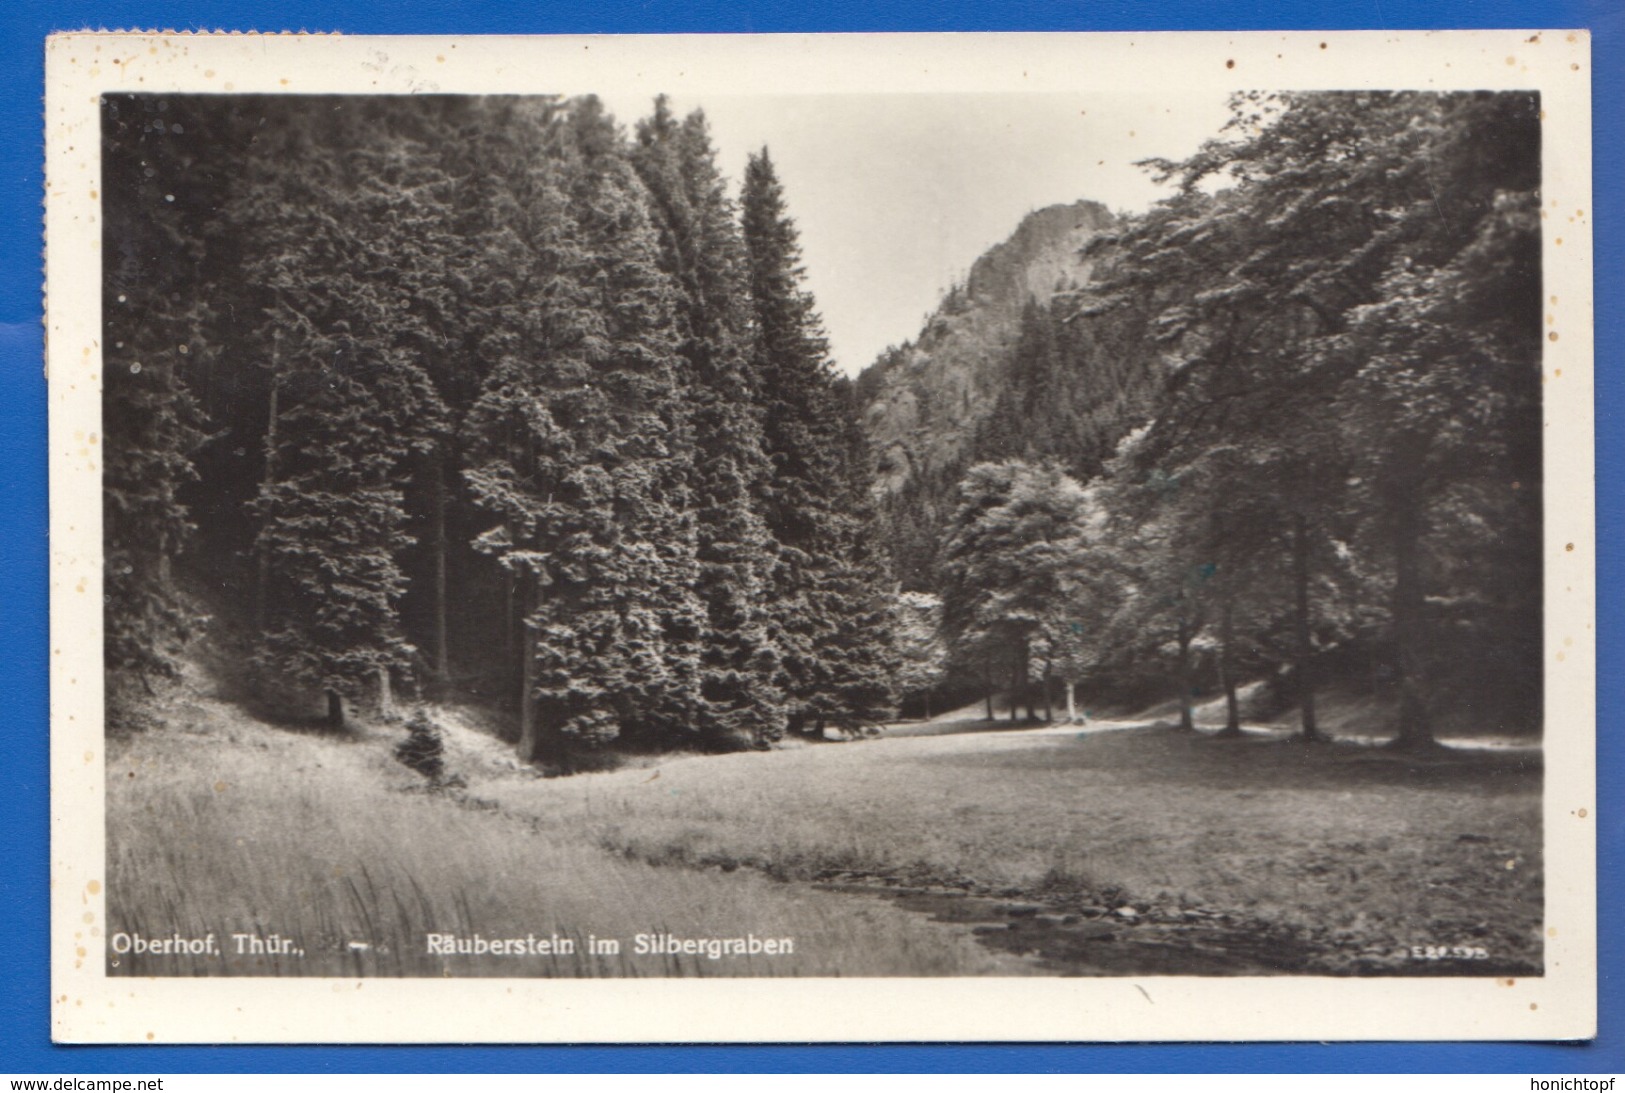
column 225, row 825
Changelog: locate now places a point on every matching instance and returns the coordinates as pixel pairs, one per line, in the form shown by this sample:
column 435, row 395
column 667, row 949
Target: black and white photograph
column 640, row 531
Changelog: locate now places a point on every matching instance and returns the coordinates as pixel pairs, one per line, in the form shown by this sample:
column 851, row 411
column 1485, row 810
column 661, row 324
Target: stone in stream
column 1019, row 910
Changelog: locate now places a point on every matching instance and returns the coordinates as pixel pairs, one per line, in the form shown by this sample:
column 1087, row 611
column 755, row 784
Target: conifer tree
column 151, row 426
column 830, row 617
column 581, row 451
column 151, row 422
column 703, row 252
column 863, row 659
column 332, row 531
column 415, row 191
column 348, row 408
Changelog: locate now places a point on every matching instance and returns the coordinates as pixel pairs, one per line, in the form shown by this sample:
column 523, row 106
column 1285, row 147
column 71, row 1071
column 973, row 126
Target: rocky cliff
column 924, row 400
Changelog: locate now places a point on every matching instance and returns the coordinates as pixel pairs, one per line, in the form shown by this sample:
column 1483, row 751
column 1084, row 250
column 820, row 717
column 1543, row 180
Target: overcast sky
column 896, row 195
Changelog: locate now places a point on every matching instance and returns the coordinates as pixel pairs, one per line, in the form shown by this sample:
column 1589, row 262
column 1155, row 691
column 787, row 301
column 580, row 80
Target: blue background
column 24, row 982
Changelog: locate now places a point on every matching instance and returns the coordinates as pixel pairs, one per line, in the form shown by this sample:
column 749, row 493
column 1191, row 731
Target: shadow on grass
column 1168, row 755
column 958, row 728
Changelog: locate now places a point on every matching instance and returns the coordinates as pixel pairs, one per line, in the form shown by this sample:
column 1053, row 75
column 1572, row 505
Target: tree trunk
column 386, row 699
column 335, row 710
column 1027, row 680
column 1415, row 727
column 1227, row 673
column 262, row 581
column 1015, row 690
column 987, row 697
column 928, row 705
column 1300, row 627
column 529, row 736
column 1049, row 701
column 1187, row 716
column 164, row 568
column 437, row 540
column 1071, row 705
column 510, row 629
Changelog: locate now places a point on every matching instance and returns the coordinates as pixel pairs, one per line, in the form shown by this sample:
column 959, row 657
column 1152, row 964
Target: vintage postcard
column 819, row 538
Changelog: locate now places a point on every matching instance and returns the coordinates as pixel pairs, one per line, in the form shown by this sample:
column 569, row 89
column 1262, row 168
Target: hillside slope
column 924, row 400
column 1015, row 363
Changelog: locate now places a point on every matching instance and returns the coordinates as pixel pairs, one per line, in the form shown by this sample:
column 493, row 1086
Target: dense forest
column 492, row 396
column 1286, row 428
column 484, row 394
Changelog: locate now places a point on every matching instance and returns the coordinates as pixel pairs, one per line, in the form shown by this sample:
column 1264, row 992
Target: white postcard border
column 89, row 1007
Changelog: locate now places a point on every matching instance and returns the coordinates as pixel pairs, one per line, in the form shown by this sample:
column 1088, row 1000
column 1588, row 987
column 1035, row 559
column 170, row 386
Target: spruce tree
column 332, row 531
column 581, row 451
column 348, row 407
column 151, row 423
column 829, row 614
column 703, row 252
column 418, row 194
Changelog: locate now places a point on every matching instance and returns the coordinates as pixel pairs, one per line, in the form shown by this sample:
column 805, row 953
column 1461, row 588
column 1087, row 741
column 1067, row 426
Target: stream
column 1098, row 941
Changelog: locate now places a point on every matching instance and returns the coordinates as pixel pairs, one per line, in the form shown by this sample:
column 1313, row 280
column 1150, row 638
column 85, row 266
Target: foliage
column 702, row 250
column 152, row 423
column 1341, row 303
column 578, row 441
column 1288, row 418
column 350, row 404
column 922, row 656
column 830, row 614
column 1018, row 591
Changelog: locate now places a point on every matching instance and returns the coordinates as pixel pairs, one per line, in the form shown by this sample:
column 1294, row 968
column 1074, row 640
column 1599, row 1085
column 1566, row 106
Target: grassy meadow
column 1357, row 853
column 218, row 822
column 1345, row 857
